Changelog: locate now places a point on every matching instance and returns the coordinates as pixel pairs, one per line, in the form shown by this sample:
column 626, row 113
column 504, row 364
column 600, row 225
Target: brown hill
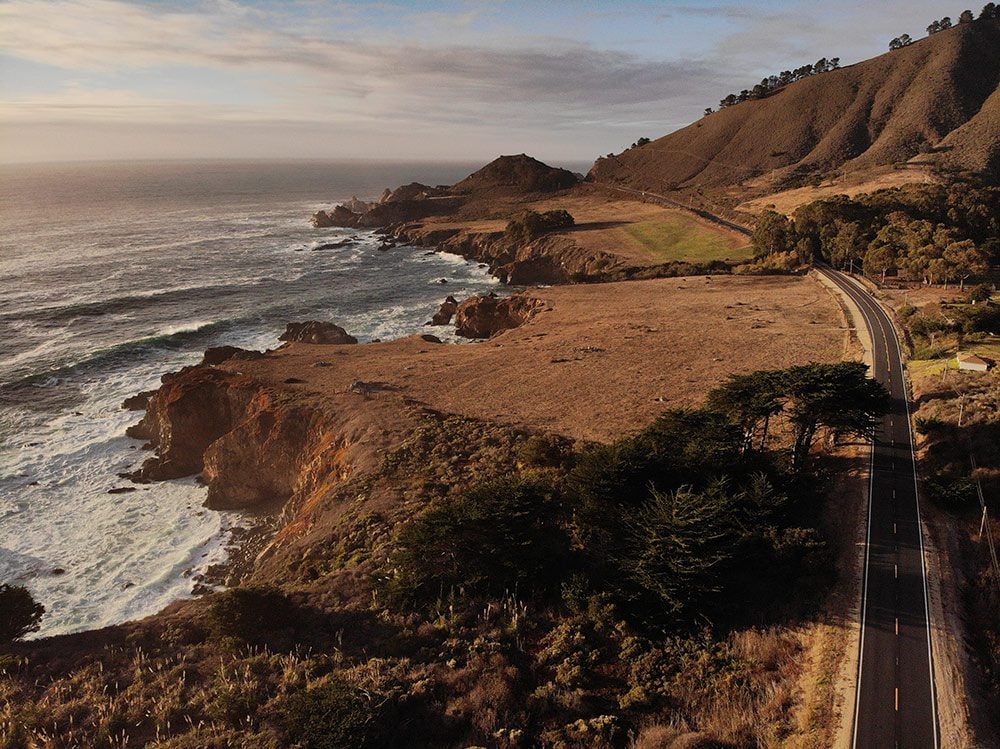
column 934, row 103
column 516, row 174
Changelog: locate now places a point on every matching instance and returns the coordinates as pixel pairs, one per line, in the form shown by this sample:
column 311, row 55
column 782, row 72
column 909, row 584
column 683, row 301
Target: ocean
column 112, row 274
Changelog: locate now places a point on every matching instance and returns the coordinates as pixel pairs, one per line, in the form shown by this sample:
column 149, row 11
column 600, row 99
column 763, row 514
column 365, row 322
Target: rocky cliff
column 251, row 446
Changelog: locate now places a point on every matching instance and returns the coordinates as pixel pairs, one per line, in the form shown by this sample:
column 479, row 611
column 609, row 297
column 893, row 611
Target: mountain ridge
column 932, row 104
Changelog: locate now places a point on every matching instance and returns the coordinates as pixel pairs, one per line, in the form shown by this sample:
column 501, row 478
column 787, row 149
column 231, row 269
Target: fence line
column 984, row 527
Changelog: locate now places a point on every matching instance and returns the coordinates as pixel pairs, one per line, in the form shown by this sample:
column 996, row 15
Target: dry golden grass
column 597, row 362
column 639, row 233
column 786, row 201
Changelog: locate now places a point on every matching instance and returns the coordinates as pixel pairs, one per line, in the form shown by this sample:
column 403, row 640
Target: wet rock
column 220, row 354
column 316, row 332
column 122, row 490
column 447, row 311
column 138, row 401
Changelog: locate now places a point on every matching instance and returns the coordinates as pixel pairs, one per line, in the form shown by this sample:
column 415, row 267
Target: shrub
column 20, row 614
column 252, row 614
column 981, row 293
column 332, row 716
column 927, row 424
column 501, row 535
column 544, row 450
column 955, row 494
column 530, row 225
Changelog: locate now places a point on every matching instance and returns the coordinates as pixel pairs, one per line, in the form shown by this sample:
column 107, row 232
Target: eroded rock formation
column 252, row 448
column 317, row 332
column 485, row 316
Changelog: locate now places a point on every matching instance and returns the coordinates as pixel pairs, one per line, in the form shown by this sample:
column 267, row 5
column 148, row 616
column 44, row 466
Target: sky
column 562, row 80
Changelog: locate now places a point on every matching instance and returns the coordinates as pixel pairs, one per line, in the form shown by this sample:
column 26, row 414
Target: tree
column 966, row 17
column 848, row 245
column 750, row 400
column 965, row 260
column 708, row 111
column 990, row 11
column 499, row 536
column 839, row 396
column 677, row 540
column 878, row 261
column 901, row 41
column 773, row 233
column 20, row 614
column 945, row 23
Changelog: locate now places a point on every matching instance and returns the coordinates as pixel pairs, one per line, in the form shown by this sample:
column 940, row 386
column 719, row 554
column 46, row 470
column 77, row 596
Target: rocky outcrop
column 137, row 402
column 220, row 354
column 317, row 332
column 358, row 206
column 392, row 211
column 414, row 191
column 252, row 449
column 551, row 259
column 485, row 316
column 448, row 309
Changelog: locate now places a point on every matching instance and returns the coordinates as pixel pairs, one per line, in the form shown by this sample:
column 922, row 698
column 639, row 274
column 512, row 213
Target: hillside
column 515, row 174
column 933, row 103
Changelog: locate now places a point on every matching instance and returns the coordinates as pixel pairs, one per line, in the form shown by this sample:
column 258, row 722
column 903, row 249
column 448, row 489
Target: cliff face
column 551, row 259
column 252, row 449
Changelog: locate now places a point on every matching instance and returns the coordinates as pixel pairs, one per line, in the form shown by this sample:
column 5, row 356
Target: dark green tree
column 20, row 614
column 839, row 396
column 751, row 400
column 966, row 17
column 501, row 535
column 773, row 233
column 677, row 541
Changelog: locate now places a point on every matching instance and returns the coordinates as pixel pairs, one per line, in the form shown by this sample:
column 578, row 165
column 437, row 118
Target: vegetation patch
column 683, row 239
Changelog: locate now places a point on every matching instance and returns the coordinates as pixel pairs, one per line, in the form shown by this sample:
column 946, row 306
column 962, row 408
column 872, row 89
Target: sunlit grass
column 686, row 239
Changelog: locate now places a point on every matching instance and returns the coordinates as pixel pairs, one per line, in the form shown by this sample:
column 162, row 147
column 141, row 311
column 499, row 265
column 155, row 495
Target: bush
column 530, row 225
column 981, row 293
column 501, row 535
column 20, row 614
column 253, row 614
column 927, row 424
column 952, row 493
column 544, row 451
column 332, row 716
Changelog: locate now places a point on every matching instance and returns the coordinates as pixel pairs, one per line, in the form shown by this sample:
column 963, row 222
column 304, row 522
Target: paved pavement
column 896, row 704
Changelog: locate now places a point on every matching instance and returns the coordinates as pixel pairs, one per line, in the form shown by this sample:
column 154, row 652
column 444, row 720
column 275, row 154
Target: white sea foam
column 139, row 275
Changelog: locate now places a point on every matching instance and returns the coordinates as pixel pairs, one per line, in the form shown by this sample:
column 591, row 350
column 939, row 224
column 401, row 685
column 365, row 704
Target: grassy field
column 680, row 238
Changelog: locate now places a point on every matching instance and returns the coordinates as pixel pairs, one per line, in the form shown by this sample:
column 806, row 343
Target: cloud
column 110, row 36
column 360, row 71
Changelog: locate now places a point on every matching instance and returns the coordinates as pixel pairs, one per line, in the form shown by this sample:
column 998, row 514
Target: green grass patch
column 686, row 240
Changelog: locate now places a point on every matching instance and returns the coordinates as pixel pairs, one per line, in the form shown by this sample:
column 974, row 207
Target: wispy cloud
column 466, row 67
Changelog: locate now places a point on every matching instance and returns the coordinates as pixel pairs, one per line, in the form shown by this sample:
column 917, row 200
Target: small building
column 972, row 363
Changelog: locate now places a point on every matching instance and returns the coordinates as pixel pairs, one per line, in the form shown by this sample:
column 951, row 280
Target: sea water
column 113, row 274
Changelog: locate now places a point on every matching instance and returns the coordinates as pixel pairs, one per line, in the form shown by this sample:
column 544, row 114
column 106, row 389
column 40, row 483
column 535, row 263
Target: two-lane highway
column 896, row 704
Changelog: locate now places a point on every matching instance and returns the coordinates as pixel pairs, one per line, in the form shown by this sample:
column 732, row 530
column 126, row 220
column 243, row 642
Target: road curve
column 896, row 704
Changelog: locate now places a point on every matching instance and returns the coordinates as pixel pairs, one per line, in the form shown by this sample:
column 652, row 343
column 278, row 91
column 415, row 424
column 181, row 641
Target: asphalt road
column 896, row 704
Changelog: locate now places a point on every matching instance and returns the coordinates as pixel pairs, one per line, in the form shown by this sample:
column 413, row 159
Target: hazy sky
column 465, row 79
